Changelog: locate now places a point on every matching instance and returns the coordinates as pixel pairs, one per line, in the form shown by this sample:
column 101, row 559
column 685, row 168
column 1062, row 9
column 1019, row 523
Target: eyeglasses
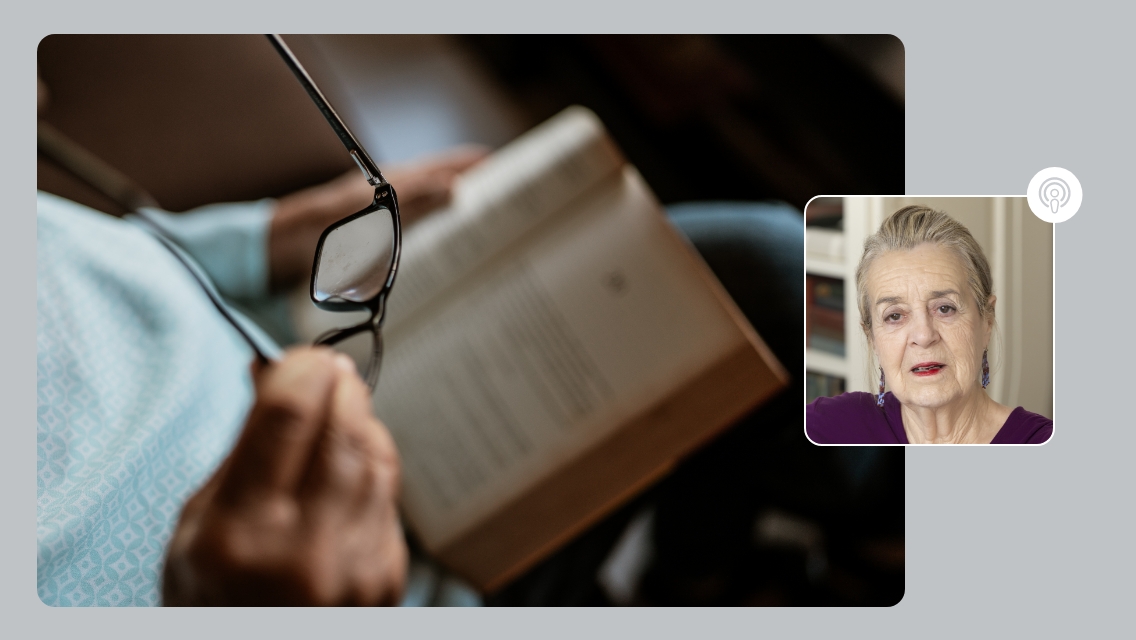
column 356, row 258
column 355, row 265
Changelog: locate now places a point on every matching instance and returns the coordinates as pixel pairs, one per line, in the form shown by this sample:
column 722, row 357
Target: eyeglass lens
column 362, row 348
column 355, row 259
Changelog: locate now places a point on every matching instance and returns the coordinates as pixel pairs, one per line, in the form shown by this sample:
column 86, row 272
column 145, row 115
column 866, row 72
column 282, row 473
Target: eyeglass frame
column 385, row 198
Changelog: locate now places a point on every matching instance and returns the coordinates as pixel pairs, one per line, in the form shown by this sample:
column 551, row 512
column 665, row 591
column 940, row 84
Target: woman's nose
column 923, row 331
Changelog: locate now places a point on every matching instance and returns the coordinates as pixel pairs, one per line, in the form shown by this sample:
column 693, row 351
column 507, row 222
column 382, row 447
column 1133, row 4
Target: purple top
column 854, row 418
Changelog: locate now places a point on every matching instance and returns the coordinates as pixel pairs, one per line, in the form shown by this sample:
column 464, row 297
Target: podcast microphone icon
column 1055, row 193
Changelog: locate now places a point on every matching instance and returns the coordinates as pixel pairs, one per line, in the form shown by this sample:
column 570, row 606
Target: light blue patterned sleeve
column 142, row 388
column 229, row 241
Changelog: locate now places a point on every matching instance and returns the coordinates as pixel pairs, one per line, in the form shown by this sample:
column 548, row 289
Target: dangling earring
column 985, row 370
column 880, row 397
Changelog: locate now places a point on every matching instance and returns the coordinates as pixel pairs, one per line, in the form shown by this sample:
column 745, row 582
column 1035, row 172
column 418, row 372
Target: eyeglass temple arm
column 358, row 154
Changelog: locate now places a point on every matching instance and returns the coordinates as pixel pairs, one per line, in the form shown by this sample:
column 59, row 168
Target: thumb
column 351, row 399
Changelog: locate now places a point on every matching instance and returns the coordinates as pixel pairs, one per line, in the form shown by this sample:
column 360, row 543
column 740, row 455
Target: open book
column 553, row 346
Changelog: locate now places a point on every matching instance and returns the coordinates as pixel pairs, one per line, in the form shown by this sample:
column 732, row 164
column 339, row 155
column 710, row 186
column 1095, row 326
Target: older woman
column 926, row 306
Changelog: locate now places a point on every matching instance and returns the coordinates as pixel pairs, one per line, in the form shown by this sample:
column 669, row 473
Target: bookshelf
column 833, row 252
column 1019, row 248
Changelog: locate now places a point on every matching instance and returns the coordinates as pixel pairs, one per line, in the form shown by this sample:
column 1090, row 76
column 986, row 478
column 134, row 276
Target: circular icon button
column 1054, row 194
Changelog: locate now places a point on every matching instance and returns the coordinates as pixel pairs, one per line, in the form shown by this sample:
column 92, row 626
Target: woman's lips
column 924, row 369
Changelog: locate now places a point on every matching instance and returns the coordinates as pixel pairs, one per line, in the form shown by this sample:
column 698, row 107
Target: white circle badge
column 1054, row 194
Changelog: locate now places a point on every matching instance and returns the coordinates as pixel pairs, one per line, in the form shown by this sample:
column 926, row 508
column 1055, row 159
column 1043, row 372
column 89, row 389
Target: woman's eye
column 893, row 317
column 946, row 309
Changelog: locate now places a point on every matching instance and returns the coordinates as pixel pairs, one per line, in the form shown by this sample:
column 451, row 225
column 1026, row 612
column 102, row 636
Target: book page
column 514, row 190
column 542, row 353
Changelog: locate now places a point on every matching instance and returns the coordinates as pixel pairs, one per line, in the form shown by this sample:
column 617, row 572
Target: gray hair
column 915, row 225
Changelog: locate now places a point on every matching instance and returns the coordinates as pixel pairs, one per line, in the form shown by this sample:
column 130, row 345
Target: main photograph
column 449, row 320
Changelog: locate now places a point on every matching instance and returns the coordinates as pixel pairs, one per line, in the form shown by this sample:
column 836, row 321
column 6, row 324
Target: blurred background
column 757, row 517
column 702, row 117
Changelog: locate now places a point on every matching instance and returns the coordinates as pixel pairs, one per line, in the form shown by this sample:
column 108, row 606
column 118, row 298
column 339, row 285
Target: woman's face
column 927, row 331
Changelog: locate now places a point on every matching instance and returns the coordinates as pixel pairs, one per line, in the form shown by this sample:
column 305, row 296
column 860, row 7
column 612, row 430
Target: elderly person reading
column 926, row 304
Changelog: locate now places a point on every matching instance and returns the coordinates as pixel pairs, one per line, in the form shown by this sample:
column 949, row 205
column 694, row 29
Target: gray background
column 1019, row 541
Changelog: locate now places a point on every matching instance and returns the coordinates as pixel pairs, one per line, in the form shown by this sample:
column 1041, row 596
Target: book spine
column 820, row 385
column 824, row 314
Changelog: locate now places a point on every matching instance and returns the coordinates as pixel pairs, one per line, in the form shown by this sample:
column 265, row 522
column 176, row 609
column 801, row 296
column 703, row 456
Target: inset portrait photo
column 929, row 320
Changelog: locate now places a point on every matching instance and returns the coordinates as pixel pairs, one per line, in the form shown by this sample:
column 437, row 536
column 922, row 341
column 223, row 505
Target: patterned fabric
column 124, row 435
column 141, row 389
column 229, row 242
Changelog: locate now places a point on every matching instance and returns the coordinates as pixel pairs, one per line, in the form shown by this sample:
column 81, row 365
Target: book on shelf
column 824, row 314
column 827, row 339
column 818, row 385
column 827, row 292
column 553, row 346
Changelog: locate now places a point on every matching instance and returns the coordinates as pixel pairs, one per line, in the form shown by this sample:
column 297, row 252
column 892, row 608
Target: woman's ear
column 990, row 302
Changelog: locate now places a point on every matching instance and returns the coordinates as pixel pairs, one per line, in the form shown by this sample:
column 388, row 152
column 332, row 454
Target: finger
column 459, row 158
column 454, row 160
column 440, row 168
column 275, row 448
column 200, row 500
column 378, row 574
column 381, row 487
column 417, row 207
column 256, row 369
column 432, row 188
column 354, row 458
